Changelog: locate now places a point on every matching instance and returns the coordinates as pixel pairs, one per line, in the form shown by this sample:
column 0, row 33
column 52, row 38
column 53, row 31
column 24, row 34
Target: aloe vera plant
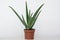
column 30, row 18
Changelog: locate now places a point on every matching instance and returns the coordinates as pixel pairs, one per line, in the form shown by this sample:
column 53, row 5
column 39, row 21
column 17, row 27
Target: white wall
column 48, row 23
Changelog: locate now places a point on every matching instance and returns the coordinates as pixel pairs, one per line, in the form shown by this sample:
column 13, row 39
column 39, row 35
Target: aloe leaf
column 26, row 12
column 31, row 14
column 18, row 16
column 29, row 17
column 36, row 13
column 38, row 10
column 23, row 18
column 24, row 22
column 15, row 13
column 35, row 20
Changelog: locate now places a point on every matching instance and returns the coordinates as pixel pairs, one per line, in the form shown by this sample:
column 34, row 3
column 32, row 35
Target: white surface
column 31, row 39
column 48, row 23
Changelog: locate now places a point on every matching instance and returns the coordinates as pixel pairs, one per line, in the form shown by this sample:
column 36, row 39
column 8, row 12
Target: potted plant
column 29, row 22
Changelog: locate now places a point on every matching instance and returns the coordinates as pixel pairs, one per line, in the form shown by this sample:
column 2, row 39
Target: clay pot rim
column 29, row 29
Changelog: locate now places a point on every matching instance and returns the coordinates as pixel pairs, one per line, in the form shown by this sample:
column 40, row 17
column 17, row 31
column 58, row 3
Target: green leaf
column 29, row 17
column 35, row 14
column 26, row 12
column 38, row 10
column 24, row 22
column 18, row 16
column 35, row 20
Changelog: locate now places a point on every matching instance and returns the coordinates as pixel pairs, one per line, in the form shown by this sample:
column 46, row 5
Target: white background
column 47, row 25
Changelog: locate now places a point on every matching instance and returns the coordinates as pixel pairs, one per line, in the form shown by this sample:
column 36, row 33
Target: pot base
column 29, row 34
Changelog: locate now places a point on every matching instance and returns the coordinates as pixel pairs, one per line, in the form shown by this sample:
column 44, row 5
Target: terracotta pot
column 29, row 34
